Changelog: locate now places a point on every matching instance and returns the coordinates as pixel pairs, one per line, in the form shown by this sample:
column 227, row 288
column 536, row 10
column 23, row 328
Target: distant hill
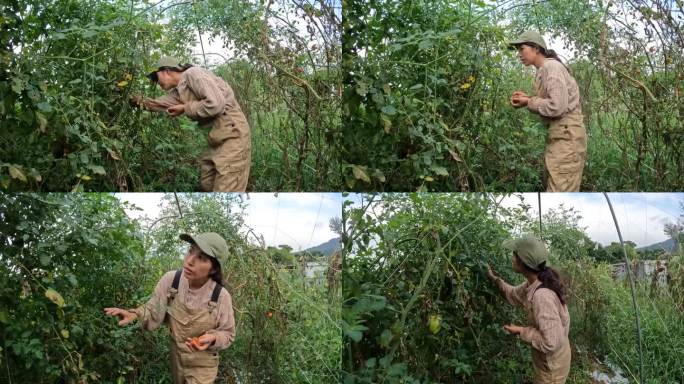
column 666, row 245
column 327, row 248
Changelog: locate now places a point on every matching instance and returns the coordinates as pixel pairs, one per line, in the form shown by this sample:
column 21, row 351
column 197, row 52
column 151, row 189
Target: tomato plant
column 428, row 86
column 70, row 67
column 65, row 257
column 418, row 307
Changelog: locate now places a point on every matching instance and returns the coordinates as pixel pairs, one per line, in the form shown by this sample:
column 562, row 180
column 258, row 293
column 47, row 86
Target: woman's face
column 196, row 264
column 527, row 54
column 166, row 79
column 517, row 264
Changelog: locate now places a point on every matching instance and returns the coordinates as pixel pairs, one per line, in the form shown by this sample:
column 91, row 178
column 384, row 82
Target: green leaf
column 385, row 338
column 4, row 318
column 97, row 169
column 16, row 173
column 439, row 170
column 425, row 44
column 42, row 121
column 72, row 279
column 55, row 297
column 44, row 106
column 354, row 331
column 17, row 85
column 360, row 174
column 45, row 260
column 389, row 110
column 361, row 88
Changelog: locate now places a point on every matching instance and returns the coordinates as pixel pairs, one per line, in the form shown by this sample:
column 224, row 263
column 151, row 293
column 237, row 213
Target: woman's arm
column 552, row 81
column 549, row 333
column 163, row 103
column 152, row 313
column 225, row 332
column 514, row 294
column 211, row 100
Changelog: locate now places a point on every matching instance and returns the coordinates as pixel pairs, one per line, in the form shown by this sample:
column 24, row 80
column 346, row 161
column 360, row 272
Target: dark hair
column 549, row 277
column 183, row 67
column 217, row 275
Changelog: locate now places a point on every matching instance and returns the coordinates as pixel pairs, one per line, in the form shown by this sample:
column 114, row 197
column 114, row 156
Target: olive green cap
column 529, row 249
column 164, row 61
column 210, row 243
column 528, row 37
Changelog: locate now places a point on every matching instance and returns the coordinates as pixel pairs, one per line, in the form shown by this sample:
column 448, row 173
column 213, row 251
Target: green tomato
column 434, row 323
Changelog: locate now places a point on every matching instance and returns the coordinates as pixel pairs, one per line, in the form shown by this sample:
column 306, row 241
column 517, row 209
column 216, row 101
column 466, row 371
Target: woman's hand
column 126, row 316
column 519, row 99
column 136, row 101
column 176, row 110
column 200, row 343
column 490, row 273
column 513, row 329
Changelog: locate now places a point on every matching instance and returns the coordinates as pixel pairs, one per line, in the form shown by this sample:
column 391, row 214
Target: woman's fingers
column 125, row 316
column 113, row 311
column 196, row 343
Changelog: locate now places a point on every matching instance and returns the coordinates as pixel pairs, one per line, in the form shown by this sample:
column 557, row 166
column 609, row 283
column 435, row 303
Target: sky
column 299, row 220
column 641, row 216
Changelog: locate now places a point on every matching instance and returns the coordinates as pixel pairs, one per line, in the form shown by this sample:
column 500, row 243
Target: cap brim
column 514, row 44
column 511, row 244
column 201, row 244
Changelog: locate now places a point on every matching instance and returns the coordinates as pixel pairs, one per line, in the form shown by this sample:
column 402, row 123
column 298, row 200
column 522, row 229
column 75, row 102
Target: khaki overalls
column 188, row 367
column 551, row 368
column 225, row 166
column 566, row 141
column 565, row 153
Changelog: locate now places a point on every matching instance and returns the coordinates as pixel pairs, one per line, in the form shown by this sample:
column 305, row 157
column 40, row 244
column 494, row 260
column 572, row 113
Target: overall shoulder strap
column 173, row 291
column 216, row 293
column 176, row 280
column 215, row 296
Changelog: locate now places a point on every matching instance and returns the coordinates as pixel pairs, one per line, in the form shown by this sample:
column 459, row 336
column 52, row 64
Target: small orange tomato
column 269, row 314
column 196, row 342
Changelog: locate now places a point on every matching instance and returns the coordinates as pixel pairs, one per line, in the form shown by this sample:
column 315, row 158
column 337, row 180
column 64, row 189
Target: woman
column 543, row 297
column 557, row 101
column 207, row 99
column 195, row 306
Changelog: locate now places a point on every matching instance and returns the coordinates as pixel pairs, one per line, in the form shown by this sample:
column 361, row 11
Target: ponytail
column 180, row 68
column 549, row 277
column 551, row 54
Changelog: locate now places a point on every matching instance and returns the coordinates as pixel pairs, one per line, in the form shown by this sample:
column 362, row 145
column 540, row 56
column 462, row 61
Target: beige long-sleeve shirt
column 557, row 92
column 151, row 314
column 204, row 94
column 209, row 101
column 548, row 318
